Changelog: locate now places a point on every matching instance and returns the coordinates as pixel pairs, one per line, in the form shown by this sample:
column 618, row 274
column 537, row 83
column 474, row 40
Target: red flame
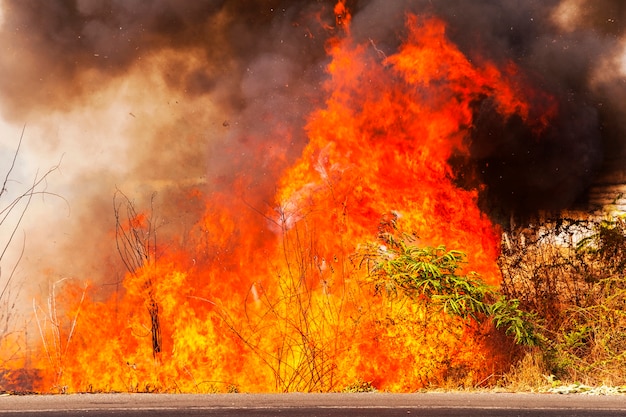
column 259, row 300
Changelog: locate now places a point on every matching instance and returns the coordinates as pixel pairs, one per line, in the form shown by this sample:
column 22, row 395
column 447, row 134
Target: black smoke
column 49, row 45
column 566, row 49
column 527, row 171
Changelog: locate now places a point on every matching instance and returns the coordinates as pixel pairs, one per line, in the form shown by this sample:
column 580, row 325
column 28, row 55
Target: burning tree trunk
column 135, row 236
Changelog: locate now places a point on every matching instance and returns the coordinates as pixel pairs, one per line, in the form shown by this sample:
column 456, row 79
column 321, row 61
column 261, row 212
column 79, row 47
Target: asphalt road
column 314, row 405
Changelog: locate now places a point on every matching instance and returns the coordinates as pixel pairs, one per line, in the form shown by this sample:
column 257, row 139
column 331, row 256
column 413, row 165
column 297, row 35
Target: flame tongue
column 383, row 142
column 273, row 302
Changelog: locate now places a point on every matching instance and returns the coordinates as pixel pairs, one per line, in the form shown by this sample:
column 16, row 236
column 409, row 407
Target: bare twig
column 12, row 214
column 10, row 170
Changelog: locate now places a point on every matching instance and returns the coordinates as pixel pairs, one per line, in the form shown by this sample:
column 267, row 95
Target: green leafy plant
column 399, row 268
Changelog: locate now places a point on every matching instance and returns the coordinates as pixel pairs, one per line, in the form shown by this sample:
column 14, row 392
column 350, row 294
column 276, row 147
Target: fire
column 260, row 299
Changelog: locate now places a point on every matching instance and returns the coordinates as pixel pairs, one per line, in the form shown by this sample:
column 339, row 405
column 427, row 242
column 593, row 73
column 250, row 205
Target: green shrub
column 399, row 268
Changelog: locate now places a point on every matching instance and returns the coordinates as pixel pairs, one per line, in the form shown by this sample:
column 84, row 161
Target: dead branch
column 136, row 245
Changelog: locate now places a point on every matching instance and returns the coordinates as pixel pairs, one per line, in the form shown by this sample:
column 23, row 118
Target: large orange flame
column 273, row 300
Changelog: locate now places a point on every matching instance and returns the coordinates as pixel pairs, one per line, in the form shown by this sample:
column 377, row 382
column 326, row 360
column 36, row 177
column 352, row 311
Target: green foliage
column 434, row 275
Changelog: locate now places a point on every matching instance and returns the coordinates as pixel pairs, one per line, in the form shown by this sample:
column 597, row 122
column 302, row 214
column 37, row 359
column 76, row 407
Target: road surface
column 314, row 405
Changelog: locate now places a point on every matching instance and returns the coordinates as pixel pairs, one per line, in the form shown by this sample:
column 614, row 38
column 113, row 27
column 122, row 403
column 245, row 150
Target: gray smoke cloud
column 161, row 96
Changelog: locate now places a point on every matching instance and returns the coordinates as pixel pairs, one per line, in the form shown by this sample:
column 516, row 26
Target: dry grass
column 570, row 273
column 529, row 374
